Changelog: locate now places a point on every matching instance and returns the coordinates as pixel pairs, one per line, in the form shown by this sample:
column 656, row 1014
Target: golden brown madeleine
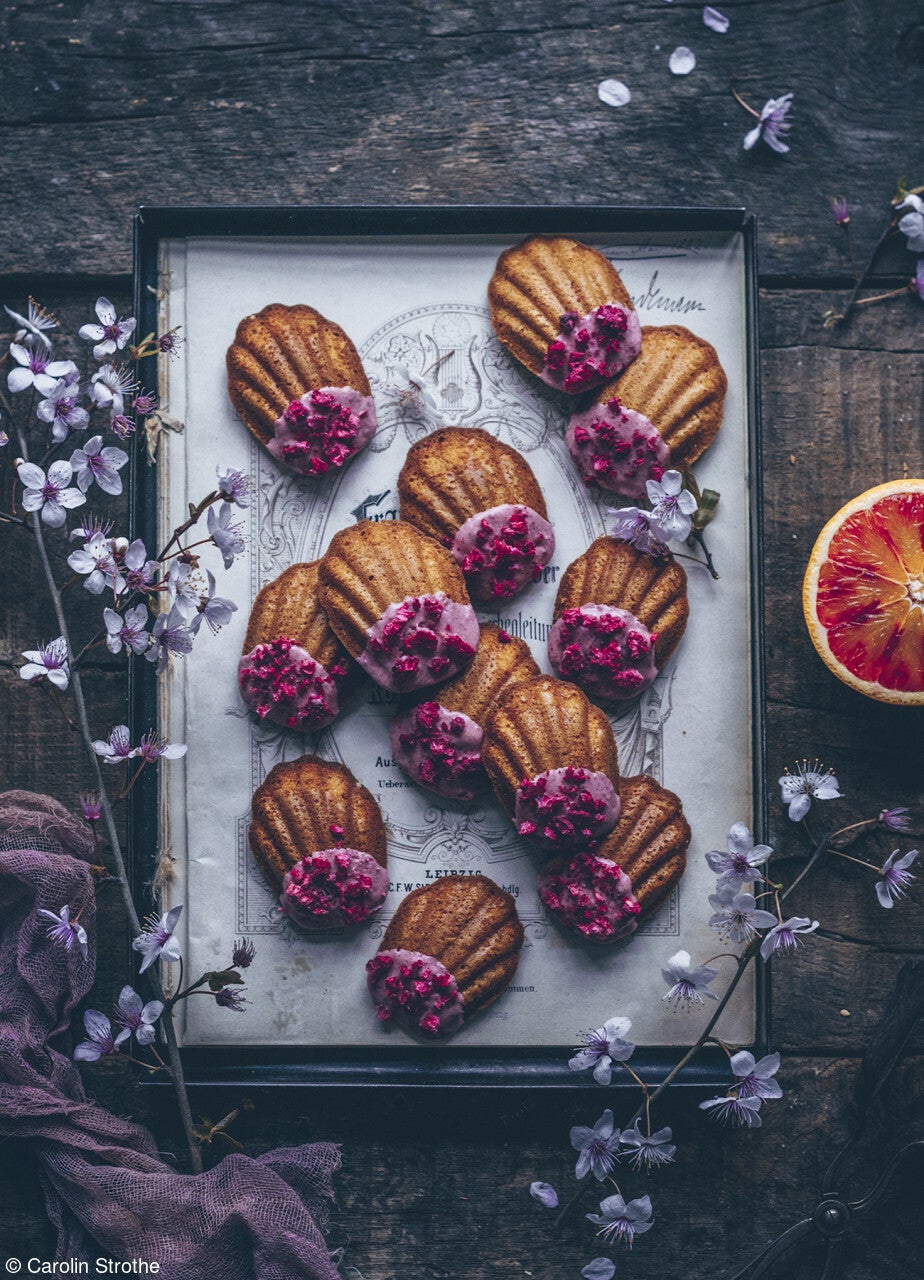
column 650, row 841
column 300, row 388
column 317, row 835
column 399, row 603
column 562, row 310
column 679, row 385
column 438, row 742
column 480, row 498
column 619, row 615
column 551, row 757
column 451, row 949
column 294, row 670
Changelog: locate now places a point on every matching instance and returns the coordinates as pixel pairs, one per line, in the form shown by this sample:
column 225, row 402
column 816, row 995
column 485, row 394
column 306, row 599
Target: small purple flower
column 895, row 877
column 599, row 1269
column 785, row 936
column 109, row 387
column 128, row 631
column 231, row 998
column 96, row 559
column 64, row 931
column 755, row 1079
column 90, row 807
column 737, row 916
column 138, row 570
column 688, row 985
column 648, row 1149
column 771, row 125
column 111, row 334
column 34, row 323
column 214, row 610
column 153, row 748
column 598, row 1147
column 35, row 368
column 739, row 865
column 243, row 954
column 61, row 410
column 156, row 939
column 225, row 535
column 633, row 525
column 234, row 486
column 620, row 1222
column 169, row 635
column 169, row 343
column 602, row 1048
column 51, row 494
column 808, row 783
column 912, row 224
column 545, row 1193
column 93, row 462
column 48, row 662
column 121, row 426
column 100, row 1043
column 672, row 507
column 135, row 1016
column 117, row 748
column 145, row 402
column 899, row 818
column 185, row 594
column 738, row 1112
column 840, row 211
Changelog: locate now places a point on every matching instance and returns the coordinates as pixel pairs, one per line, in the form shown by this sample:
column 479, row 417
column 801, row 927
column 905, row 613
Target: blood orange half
column 863, row 594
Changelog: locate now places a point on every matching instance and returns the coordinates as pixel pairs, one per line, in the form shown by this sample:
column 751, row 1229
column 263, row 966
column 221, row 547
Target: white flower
column 35, row 368
column 785, row 935
column 672, row 507
column 212, row 609
column 117, row 748
column 110, row 334
column 93, row 462
column 225, row 535
column 128, row 631
column 61, row 409
column 808, row 783
column 771, row 124
column 96, row 559
column 33, row 324
column 740, row 864
column 109, row 386
column 755, row 1079
column 737, row 916
column 234, row 485
column 895, row 877
column 687, row 985
column 156, row 939
column 603, row 1047
column 912, row 224
column 49, row 662
column 634, row 525
column 414, row 393
column 49, row 493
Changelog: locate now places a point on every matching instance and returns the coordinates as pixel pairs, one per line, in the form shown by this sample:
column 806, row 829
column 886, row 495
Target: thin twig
column 861, row 280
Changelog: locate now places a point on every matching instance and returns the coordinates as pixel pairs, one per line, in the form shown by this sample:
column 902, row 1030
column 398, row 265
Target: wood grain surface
column 216, row 101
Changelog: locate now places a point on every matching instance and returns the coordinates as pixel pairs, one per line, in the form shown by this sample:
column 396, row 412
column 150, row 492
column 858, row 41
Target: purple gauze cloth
column 106, row 1191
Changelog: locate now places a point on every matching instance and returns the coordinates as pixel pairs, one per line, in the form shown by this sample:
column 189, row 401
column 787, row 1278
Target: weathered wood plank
column 447, row 102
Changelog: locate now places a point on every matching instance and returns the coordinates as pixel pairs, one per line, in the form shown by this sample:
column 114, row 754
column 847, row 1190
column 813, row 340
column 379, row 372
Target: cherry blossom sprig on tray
column 679, row 512
column 750, row 922
column 153, row 606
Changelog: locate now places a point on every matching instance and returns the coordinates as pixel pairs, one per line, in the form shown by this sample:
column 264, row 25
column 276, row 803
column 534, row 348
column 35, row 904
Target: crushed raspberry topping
column 617, row 449
column 589, row 350
column 440, row 749
column 416, row 990
column 323, row 429
column 565, row 807
column 333, row 887
column 502, row 550
column 604, row 650
column 591, row 896
column 419, row 641
column 281, row 682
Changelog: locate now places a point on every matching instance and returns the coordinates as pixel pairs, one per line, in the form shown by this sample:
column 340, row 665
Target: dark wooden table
column 429, row 101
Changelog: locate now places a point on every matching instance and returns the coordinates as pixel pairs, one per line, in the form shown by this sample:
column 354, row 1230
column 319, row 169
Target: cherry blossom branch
column 831, row 320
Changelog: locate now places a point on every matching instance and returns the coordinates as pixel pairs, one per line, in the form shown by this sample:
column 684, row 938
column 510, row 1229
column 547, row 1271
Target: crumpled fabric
column 107, row 1193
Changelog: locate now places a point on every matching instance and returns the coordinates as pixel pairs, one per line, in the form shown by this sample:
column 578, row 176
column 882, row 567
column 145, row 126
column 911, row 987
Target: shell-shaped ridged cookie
column 613, row 572
column 497, row 666
column 457, row 472
column 289, row 606
column 280, row 353
column 471, row 926
column 679, row 385
column 649, row 841
column 296, row 805
column 375, row 563
column 544, row 724
column 536, row 282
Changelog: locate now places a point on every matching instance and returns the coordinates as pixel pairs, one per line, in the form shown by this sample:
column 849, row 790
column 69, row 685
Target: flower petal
column 614, row 93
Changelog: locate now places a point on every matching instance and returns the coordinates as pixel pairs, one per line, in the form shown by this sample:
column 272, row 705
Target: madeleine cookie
column 294, row 671
column 438, row 743
column 318, row 836
column 451, row 949
column 399, row 604
column 480, row 498
column 562, row 310
column 300, row 388
column 619, row 615
column 551, row 757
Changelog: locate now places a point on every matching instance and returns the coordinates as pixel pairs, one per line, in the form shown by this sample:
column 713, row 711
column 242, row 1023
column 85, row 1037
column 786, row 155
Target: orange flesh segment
column 873, row 626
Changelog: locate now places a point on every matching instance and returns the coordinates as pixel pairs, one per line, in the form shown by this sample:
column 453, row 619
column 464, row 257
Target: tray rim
column 411, row 1065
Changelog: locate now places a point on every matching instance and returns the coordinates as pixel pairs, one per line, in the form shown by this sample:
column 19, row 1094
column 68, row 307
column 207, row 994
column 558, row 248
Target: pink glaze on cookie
column 419, row 641
column 606, row 651
column 591, row 349
column 617, row 449
column 323, row 429
column 590, row 896
column 333, row 888
column 416, row 990
column 440, row 749
column 503, row 549
column 281, row 682
column 565, row 807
